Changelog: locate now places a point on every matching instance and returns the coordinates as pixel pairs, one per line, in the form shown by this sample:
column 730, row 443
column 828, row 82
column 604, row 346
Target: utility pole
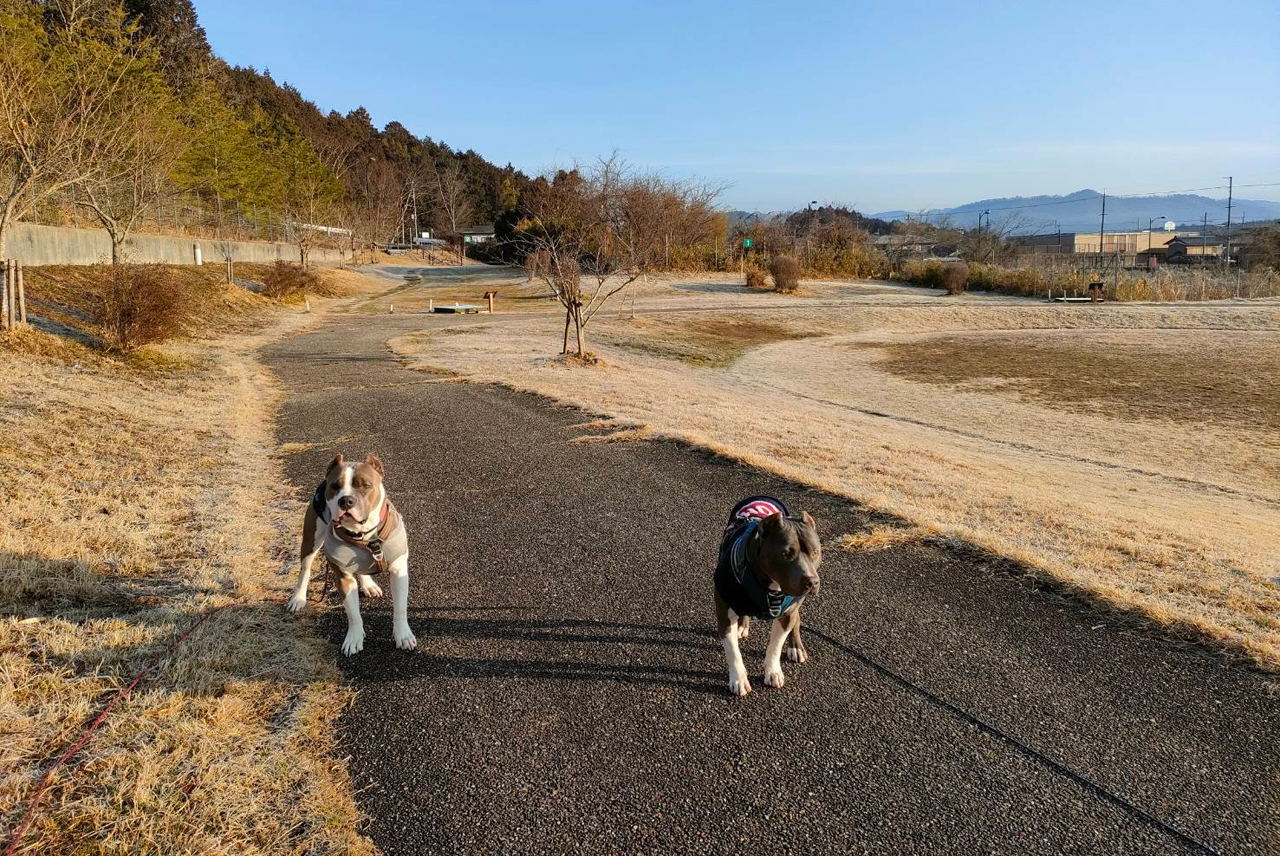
column 1230, row 187
column 1103, row 227
column 413, row 194
column 1204, row 238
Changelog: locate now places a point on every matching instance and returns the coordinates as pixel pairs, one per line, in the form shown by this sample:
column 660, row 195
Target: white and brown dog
column 362, row 534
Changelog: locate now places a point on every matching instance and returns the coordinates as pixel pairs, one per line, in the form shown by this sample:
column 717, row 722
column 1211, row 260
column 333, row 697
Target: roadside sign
column 746, row 242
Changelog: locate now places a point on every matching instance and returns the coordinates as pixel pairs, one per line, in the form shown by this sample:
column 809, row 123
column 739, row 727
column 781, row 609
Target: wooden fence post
column 22, row 298
column 4, row 298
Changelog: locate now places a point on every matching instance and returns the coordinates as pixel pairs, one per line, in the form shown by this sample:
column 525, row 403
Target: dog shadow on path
column 580, row 650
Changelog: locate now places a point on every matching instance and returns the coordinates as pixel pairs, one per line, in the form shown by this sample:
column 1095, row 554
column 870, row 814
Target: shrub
column 285, row 279
column 954, row 275
column 984, row 277
column 756, row 278
column 926, row 273
column 786, row 273
column 142, row 304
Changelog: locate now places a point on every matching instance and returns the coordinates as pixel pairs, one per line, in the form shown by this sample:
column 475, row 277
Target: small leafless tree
column 227, row 250
column 140, row 145
column 605, row 225
column 453, row 207
column 991, row 244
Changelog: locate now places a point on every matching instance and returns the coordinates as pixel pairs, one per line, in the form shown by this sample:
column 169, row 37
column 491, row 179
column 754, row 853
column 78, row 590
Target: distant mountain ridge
column 1080, row 211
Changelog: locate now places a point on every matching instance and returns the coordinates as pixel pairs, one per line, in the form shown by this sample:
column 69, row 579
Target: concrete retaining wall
column 57, row 245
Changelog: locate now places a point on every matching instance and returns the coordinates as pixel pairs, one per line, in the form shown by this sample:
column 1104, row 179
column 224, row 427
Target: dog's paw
column 354, row 643
column 744, row 630
column 796, row 655
column 296, row 602
column 774, row 678
column 368, row 588
column 404, row 638
column 739, row 685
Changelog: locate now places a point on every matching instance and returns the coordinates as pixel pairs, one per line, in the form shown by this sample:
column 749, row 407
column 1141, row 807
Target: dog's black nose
column 345, row 502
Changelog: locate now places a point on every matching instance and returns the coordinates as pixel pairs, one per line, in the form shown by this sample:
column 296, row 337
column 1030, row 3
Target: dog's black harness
column 318, row 504
column 735, row 579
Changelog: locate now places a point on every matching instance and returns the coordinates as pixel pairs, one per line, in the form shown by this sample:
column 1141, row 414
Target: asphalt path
column 569, row 694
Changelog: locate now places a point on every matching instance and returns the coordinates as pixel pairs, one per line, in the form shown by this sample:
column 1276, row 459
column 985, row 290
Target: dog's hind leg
column 778, row 634
column 312, row 539
column 795, row 649
column 400, row 604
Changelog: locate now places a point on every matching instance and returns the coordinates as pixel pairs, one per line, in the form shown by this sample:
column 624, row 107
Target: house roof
column 478, row 230
column 902, row 240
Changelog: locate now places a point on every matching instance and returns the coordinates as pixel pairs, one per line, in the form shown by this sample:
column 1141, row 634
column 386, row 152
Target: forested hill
column 381, row 172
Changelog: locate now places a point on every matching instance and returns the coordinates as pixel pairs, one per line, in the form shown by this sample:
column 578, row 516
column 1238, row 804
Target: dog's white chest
column 348, row 558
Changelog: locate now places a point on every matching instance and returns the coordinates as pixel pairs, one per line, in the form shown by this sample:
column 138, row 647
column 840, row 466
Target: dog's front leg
column 312, row 539
column 400, row 604
column 354, row 643
column 795, row 650
column 778, row 634
column 727, row 620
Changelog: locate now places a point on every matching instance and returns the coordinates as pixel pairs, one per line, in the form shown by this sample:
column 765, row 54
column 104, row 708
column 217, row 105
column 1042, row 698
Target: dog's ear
column 334, row 464
column 772, row 523
column 373, row 461
column 808, row 518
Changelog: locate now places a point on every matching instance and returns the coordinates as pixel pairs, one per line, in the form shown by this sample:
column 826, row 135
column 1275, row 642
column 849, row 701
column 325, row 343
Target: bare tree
column 136, row 144
column 227, row 249
column 58, row 86
column 311, row 196
column 607, row 226
column 380, row 191
column 452, row 201
column 990, row 244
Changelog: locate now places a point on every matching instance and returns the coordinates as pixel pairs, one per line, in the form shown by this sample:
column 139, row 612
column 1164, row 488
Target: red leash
column 93, row 726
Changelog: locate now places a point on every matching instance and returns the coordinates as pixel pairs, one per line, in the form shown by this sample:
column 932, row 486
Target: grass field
column 143, row 493
column 1126, row 452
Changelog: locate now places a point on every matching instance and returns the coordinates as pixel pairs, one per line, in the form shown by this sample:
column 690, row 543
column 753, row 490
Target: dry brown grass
column 712, row 342
column 137, row 500
column 881, row 537
column 1166, row 377
column 1115, row 493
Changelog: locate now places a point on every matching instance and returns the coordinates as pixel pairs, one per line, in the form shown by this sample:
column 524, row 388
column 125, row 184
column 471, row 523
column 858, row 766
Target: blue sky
column 876, row 105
